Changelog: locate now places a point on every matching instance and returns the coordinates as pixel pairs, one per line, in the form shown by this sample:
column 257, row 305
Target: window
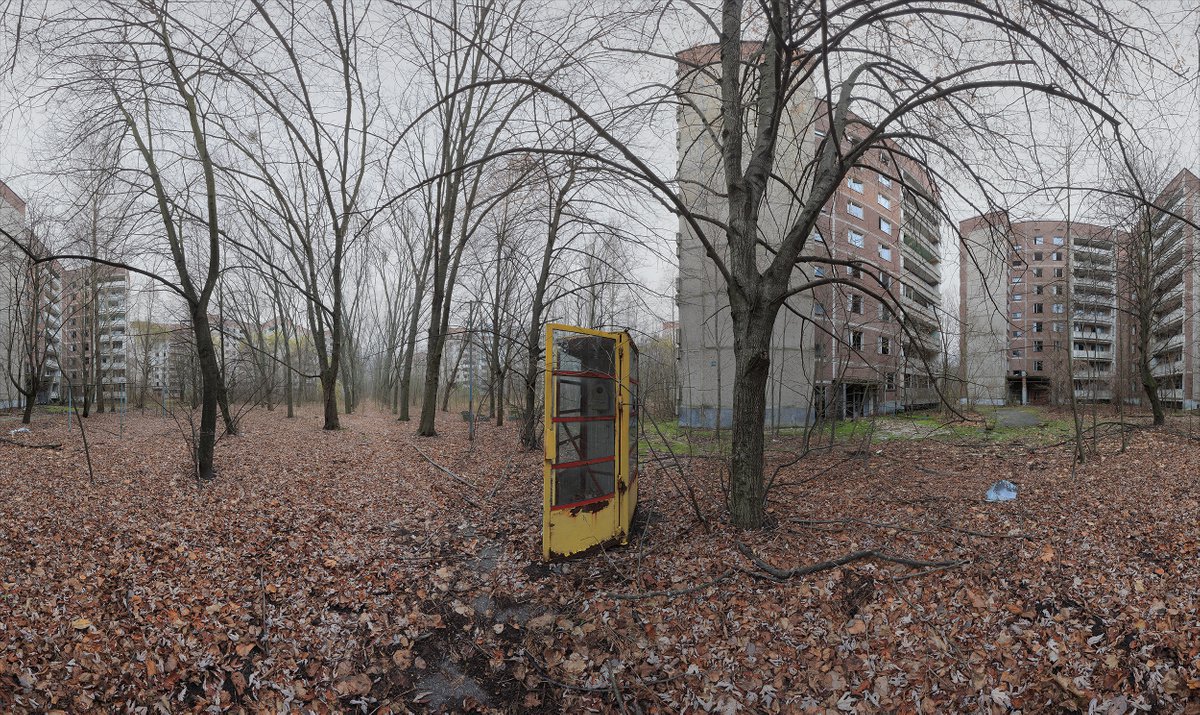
column 1037, row 365
column 1037, row 255
column 885, row 346
column 1057, row 308
column 885, row 226
column 817, row 237
column 1016, row 315
column 854, row 271
column 1037, row 346
column 855, row 184
column 818, row 309
column 818, row 132
column 1058, row 240
column 1037, row 290
column 1037, row 272
column 1037, row 308
column 885, row 180
column 1017, row 279
column 1056, row 290
column 1018, row 333
column 889, row 381
column 1039, row 240
column 856, row 239
column 885, row 315
column 819, row 350
column 854, row 209
column 856, row 304
column 885, row 280
column 1018, row 262
column 818, row 272
column 884, row 201
column 1018, row 296
column 1016, row 353
column 1058, row 273
column 1056, row 256
column 856, row 342
column 885, row 251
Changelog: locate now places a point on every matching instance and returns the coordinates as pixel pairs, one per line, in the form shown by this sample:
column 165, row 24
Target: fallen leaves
column 342, row 571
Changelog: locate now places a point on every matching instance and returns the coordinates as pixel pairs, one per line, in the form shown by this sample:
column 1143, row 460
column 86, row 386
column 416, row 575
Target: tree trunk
column 329, row 398
column 409, row 351
column 752, row 361
column 30, row 398
column 210, row 375
column 530, row 435
column 1149, row 382
column 498, row 398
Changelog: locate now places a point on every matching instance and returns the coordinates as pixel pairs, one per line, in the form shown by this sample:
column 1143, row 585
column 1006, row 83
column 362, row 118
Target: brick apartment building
column 1037, row 306
column 29, row 309
column 1176, row 311
column 94, row 334
column 835, row 350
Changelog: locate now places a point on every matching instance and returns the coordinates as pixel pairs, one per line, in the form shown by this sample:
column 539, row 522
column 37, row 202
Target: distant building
column 30, row 309
column 12, row 221
column 1038, row 313
column 836, row 350
column 95, row 327
column 1175, row 360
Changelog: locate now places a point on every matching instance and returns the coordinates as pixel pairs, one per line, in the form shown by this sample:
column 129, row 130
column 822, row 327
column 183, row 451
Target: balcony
column 1174, row 394
column 1091, row 354
column 1096, row 394
column 1173, row 342
column 1166, row 369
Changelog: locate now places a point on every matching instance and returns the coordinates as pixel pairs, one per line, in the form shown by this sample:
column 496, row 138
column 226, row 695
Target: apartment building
column 29, row 309
column 12, row 222
column 836, row 350
column 1175, row 322
column 1037, row 308
column 876, row 355
column 95, row 327
column 154, row 352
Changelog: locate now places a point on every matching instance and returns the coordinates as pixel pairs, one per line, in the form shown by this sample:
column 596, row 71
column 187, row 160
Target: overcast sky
column 1164, row 111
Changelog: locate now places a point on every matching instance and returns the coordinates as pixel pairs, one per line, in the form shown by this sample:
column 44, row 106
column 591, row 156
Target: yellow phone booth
column 591, row 426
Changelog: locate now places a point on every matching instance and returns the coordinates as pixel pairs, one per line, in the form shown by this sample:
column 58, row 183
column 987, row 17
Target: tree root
column 784, row 574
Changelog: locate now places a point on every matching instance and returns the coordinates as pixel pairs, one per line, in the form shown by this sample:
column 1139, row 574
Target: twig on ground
column 784, row 574
column 449, row 473
column 54, row 445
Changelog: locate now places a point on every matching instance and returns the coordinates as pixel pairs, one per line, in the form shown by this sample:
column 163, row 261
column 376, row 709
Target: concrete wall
column 983, row 310
column 706, row 361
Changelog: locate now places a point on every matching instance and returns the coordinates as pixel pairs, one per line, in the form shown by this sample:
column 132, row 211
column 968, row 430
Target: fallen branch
column 675, row 592
column 784, row 574
column 449, row 473
column 55, row 445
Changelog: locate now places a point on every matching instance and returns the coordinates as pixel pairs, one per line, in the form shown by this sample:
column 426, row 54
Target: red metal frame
column 585, row 502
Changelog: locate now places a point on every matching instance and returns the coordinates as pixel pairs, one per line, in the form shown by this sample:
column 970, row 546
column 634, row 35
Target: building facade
column 94, row 333
column 1037, row 310
column 12, row 222
column 1175, row 309
column 836, row 350
column 30, row 295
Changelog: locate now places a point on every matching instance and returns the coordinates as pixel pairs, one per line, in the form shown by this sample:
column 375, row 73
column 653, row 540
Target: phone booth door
column 583, row 469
